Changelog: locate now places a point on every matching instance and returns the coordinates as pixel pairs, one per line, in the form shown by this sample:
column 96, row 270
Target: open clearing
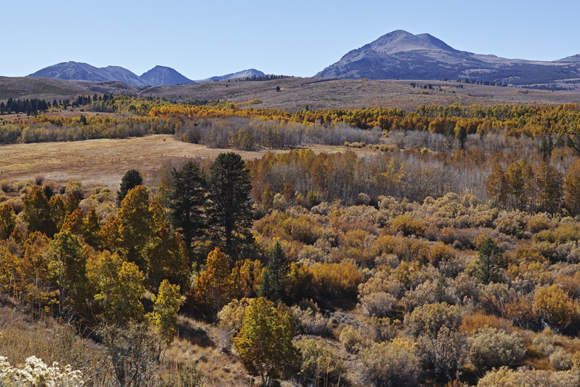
column 103, row 162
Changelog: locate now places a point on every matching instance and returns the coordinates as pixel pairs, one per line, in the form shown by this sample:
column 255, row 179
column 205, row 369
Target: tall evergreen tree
column 273, row 282
column 488, row 261
column 131, row 180
column 439, row 293
column 231, row 208
column 187, row 202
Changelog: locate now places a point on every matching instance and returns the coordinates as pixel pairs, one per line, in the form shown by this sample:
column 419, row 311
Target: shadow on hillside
column 196, row 335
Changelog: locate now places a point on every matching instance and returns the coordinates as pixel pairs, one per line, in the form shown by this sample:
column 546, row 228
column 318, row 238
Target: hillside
column 299, row 93
column 402, row 55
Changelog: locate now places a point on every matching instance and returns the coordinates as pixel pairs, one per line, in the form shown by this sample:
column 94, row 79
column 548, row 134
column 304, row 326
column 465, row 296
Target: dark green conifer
column 131, row 180
column 187, row 202
column 273, row 281
column 488, row 261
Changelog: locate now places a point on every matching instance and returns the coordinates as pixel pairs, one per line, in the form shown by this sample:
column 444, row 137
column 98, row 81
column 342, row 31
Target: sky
column 299, row 37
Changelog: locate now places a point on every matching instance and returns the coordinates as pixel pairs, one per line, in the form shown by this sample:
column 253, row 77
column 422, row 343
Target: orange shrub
column 408, row 225
column 555, row 307
column 473, row 322
column 438, row 253
column 337, row 280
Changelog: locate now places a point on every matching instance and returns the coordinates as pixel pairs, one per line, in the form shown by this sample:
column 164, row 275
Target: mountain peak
column 162, row 75
column 402, row 55
column 403, row 41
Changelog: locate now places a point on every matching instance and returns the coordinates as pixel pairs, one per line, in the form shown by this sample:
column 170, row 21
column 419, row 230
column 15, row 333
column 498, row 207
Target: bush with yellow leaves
column 430, row 318
column 408, row 225
column 555, row 307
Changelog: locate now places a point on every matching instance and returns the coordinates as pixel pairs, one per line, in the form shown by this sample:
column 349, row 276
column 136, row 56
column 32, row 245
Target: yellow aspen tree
column 167, row 304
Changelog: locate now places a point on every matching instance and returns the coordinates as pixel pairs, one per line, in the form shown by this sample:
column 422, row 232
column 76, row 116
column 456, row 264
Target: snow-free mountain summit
column 402, row 55
column 159, row 75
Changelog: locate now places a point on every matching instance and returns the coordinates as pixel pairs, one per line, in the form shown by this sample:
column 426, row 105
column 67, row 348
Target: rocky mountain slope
column 86, row 72
column 239, row 74
column 161, row 75
column 402, row 55
column 157, row 76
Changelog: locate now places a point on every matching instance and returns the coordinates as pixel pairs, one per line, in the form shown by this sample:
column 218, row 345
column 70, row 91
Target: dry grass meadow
column 103, row 162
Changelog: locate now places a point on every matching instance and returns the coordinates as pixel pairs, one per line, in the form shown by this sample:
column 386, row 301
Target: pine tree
column 131, row 180
column 187, row 202
column 273, row 281
column 439, row 293
column 231, row 211
column 488, row 261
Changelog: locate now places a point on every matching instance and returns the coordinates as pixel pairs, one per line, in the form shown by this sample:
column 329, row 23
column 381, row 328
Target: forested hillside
column 447, row 254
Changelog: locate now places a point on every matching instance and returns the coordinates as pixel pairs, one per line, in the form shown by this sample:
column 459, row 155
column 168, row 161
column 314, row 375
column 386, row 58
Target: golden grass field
column 103, row 162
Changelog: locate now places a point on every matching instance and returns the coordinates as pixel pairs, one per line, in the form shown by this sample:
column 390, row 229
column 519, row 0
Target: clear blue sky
column 202, row 39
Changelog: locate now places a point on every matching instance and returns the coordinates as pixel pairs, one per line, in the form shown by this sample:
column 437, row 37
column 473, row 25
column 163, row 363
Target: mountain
column 402, row 55
column 86, row 72
column 161, row 75
column 239, row 74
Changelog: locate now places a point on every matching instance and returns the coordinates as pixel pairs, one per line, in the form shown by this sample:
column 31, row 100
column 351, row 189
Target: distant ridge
column 166, row 76
column 402, row 55
column 157, row 76
column 239, row 74
column 86, row 72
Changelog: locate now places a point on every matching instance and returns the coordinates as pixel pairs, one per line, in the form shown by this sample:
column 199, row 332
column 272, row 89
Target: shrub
column 337, row 280
column 381, row 329
column 299, row 282
column 310, row 321
column 319, row 361
column 8, row 186
column 473, row 322
column 544, row 341
column 75, row 187
column 408, row 225
column 423, row 294
column 504, row 377
column 538, row 223
column 560, row 359
column 35, row 373
column 391, row 364
column 378, row 304
column 555, row 307
column 231, row 317
column 441, row 355
column 351, row 339
column 490, row 348
column 438, row 253
column 429, row 318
